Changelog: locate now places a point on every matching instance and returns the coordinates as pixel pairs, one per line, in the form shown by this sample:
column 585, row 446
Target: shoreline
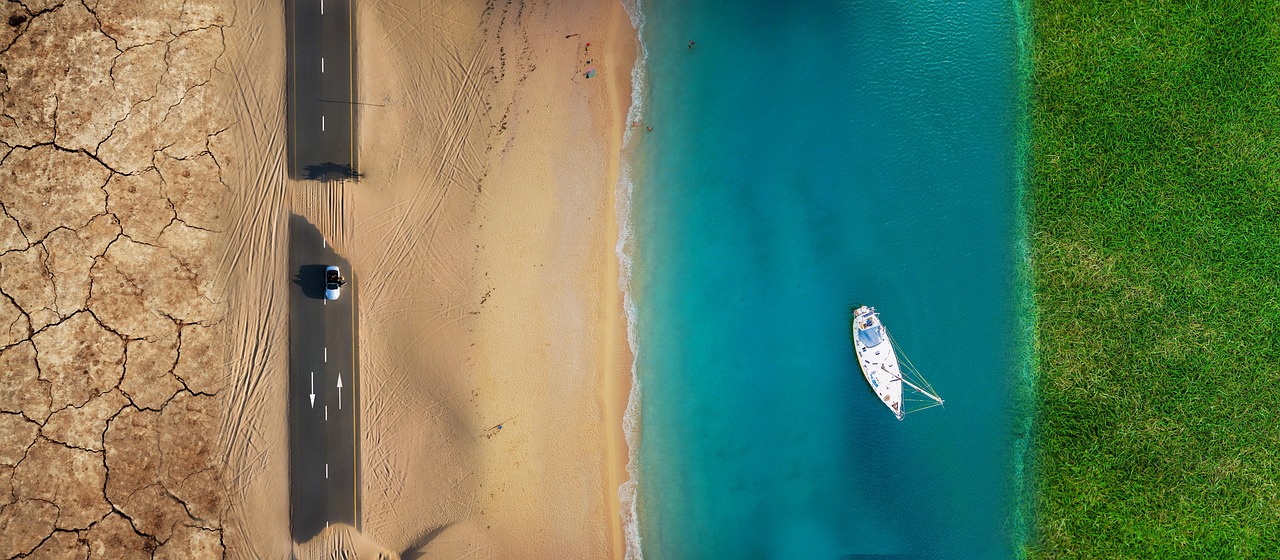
column 617, row 383
column 626, row 492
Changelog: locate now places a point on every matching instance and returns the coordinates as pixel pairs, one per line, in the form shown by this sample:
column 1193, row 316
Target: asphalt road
column 322, row 89
column 324, row 455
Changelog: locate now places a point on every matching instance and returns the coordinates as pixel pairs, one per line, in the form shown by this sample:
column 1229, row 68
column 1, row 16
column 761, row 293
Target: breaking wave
column 627, row 492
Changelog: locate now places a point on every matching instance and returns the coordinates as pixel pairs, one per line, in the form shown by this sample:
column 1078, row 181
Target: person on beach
column 690, row 44
column 648, row 128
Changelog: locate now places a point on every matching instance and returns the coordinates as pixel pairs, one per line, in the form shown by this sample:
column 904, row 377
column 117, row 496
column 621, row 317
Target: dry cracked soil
column 111, row 360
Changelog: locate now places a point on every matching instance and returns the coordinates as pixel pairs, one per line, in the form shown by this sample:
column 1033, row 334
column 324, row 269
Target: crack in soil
column 108, row 246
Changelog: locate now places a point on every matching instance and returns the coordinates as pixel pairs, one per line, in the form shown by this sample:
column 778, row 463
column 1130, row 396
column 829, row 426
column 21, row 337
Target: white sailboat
column 878, row 358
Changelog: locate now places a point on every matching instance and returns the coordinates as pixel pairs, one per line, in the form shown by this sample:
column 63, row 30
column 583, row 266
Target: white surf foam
column 627, row 492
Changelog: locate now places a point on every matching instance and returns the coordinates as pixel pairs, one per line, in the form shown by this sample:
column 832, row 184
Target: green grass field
column 1155, row 224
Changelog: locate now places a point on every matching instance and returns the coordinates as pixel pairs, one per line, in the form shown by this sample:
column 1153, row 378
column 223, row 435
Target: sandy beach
column 482, row 233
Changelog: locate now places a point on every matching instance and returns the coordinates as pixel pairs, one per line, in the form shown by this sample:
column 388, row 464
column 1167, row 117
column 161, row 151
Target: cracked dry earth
column 111, row 360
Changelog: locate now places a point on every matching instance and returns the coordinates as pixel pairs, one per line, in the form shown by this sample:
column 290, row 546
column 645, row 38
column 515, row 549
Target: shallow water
column 805, row 159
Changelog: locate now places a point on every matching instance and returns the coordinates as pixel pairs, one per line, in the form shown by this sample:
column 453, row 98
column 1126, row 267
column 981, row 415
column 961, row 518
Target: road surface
column 322, row 90
column 324, row 419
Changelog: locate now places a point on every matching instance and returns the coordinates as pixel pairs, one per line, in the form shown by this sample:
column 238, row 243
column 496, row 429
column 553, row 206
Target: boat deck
column 879, row 364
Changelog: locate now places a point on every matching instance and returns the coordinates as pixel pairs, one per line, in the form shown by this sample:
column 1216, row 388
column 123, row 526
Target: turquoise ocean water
column 807, row 157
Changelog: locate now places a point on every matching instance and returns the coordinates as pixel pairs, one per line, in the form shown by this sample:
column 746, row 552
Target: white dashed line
column 321, row 123
column 322, row 65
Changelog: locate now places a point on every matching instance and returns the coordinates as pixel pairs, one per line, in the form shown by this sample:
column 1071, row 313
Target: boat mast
column 917, row 387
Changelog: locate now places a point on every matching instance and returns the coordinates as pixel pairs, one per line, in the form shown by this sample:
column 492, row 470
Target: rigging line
column 914, row 411
column 918, row 408
column 926, row 393
column 921, row 408
column 929, row 393
column 910, row 365
column 914, row 370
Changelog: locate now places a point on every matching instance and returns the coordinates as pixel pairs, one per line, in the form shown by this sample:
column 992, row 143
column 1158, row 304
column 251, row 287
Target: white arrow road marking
column 313, row 389
column 339, row 391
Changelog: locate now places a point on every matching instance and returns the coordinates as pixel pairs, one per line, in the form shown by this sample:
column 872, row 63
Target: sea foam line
column 627, row 492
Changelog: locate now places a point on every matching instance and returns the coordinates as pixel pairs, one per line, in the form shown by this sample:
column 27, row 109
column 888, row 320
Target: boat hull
column 877, row 359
